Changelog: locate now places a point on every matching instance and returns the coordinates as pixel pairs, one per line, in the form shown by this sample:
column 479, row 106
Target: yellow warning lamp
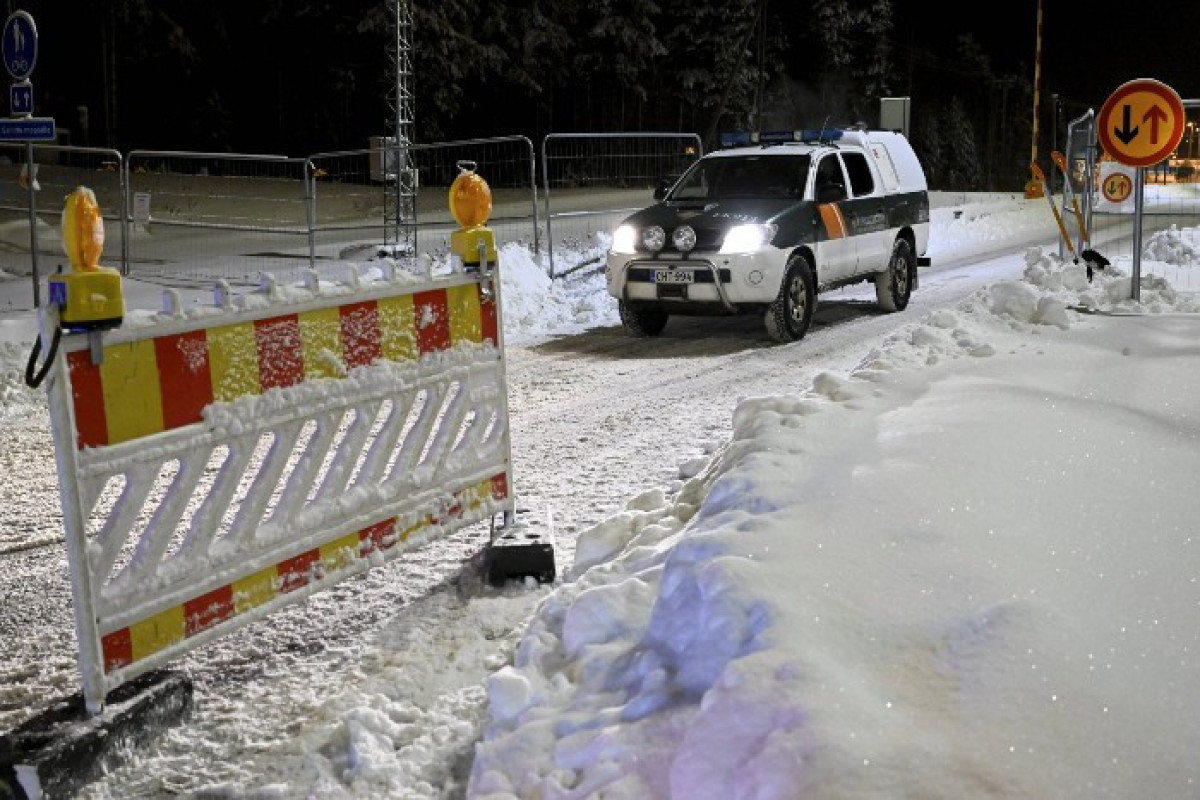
column 471, row 205
column 89, row 296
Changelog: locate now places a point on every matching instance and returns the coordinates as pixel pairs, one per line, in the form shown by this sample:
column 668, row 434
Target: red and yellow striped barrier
column 144, row 638
column 159, row 384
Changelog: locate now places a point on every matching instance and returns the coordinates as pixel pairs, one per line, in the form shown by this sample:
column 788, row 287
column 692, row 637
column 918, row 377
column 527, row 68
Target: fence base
column 58, row 752
column 521, row 550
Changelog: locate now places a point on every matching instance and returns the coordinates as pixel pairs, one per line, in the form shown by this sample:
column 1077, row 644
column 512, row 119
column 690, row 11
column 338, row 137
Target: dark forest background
column 295, row 77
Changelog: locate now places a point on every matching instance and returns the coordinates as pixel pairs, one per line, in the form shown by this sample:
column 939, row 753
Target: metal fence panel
column 203, row 216
column 591, row 180
column 1171, row 211
column 350, row 191
column 60, row 170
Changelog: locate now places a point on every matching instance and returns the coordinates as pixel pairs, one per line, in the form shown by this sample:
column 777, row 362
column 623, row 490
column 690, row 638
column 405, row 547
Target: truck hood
column 712, row 215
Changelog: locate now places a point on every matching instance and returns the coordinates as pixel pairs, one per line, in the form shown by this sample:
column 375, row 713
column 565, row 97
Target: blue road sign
column 19, row 45
column 34, row 129
column 20, row 97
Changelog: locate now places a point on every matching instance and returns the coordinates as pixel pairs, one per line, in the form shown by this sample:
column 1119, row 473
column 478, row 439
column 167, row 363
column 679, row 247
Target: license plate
column 674, row 276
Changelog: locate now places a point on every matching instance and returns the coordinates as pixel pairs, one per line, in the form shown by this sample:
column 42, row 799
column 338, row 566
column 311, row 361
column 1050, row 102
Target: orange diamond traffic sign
column 1141, row 123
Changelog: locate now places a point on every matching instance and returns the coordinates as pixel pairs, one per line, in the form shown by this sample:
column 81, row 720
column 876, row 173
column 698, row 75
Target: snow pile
column 372, row 738
column 920, row 579
column 17, row 330
column 1173, row 246
column 536, row 306
column 974, row 225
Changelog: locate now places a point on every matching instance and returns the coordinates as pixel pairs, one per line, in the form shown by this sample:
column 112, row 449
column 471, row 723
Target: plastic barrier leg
column 58, row 752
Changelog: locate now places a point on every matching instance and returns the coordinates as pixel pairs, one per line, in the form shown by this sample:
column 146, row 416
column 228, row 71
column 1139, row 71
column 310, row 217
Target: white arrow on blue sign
column 19, row 45
column 20, row 96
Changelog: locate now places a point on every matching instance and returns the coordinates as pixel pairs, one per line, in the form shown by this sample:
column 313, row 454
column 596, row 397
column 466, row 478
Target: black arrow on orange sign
column 1124, row 133
column 1155, row 115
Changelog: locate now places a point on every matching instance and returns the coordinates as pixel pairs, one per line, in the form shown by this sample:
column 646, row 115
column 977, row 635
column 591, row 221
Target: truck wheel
column 893, row 286
column 788, row 317
column 642, row 320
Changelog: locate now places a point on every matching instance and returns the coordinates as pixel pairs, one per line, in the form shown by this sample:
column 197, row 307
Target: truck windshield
column 752, row 176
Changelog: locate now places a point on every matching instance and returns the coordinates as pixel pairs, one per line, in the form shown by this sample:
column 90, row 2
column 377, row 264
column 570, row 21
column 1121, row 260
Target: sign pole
column 33, row 243
column 1034, row 188
column 1139, row 187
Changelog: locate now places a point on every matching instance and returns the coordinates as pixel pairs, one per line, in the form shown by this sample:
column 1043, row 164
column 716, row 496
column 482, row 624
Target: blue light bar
column 747, row 138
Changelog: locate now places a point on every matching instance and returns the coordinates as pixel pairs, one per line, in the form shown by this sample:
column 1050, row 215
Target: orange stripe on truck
column 835, row 223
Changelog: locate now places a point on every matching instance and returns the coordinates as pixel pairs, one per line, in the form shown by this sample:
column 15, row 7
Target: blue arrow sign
column 34, row 129
column 19, row 45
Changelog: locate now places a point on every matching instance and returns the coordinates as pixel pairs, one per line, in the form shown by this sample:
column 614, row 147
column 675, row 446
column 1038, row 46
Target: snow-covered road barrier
column 220, row 463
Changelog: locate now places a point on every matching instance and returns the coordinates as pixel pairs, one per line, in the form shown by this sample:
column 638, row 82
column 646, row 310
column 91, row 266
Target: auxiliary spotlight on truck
column 769, row 222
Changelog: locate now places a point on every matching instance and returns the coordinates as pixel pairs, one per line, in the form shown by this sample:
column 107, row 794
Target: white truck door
column 835, row 247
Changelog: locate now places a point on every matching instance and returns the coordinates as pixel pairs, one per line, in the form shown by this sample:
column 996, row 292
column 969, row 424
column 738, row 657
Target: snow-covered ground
column 967, row 566
column 970, row 567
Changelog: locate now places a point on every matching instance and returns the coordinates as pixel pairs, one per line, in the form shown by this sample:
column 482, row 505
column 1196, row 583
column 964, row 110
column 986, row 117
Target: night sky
column 1086, row 55
column 1088, row 49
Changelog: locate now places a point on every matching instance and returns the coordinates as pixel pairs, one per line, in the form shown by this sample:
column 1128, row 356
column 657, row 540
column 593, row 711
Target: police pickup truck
column 768, row 224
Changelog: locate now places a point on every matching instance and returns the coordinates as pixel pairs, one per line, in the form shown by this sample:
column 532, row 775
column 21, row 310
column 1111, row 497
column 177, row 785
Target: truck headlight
column 624, row 240
column 684, row 238
column 747, row 238
column 653, row 238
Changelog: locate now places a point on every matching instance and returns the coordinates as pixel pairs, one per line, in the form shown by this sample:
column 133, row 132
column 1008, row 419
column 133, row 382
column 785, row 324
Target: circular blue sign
column 19, row 46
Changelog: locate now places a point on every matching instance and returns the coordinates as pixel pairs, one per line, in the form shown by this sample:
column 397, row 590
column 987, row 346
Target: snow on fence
column 218, row 465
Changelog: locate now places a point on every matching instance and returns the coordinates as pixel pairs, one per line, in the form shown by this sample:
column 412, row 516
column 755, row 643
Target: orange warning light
column 83, row 230
column 470, row 199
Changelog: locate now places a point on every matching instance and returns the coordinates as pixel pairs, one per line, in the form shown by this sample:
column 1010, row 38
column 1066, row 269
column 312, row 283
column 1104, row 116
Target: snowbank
column 927, row 578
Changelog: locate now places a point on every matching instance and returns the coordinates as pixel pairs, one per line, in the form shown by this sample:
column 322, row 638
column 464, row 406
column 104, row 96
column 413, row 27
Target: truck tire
column 642, row 320
column 789, row 316
column 893, row 286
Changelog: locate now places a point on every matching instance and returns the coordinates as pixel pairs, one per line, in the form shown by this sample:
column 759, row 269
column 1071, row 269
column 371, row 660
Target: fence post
column 126, row 228
column 33, row 243
column 546, row 200
column 533, row 192
column 310, row 205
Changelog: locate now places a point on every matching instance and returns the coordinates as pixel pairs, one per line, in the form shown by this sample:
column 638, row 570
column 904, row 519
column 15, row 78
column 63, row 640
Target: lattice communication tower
column 400, row 204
